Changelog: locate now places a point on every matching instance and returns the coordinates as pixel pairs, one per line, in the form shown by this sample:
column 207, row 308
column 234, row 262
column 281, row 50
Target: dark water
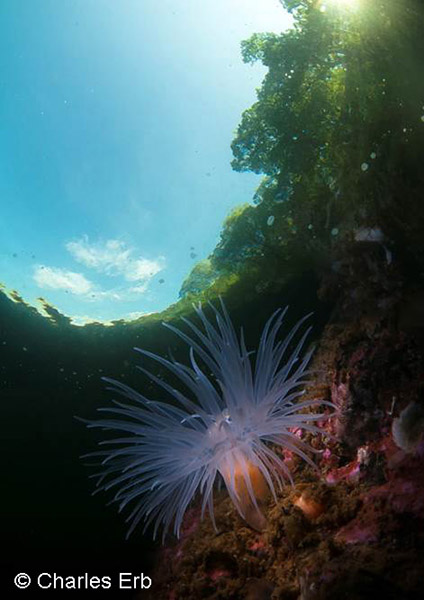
column 50, row 521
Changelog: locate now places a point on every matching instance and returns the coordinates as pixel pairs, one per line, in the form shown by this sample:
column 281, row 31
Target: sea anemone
column 223, row 428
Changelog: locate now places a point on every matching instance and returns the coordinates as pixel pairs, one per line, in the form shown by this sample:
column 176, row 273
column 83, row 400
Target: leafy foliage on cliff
column 338, row 133
column 341, row 86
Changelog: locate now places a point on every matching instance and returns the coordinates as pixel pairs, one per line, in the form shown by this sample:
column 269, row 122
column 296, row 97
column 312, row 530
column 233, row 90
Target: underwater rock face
column 363, row 534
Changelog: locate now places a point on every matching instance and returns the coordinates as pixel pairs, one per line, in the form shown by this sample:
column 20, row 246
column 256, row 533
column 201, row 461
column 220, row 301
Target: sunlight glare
column 347, row 4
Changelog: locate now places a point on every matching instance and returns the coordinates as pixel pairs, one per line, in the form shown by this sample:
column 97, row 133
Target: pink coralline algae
column 351, row 471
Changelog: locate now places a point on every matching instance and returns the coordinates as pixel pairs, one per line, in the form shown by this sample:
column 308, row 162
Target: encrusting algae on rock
column 350, row 530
